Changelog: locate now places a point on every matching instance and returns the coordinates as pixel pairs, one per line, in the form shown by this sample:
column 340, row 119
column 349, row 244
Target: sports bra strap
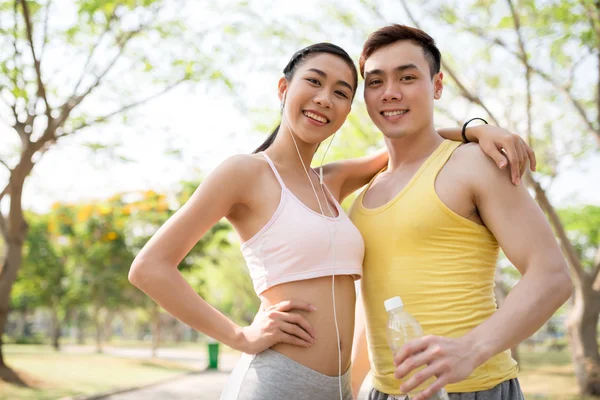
column 273, row 168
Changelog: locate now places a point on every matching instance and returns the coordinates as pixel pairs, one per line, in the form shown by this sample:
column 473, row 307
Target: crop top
column 296, row 244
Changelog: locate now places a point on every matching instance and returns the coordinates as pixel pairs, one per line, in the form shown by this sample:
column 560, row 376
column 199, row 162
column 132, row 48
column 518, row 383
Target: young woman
column 302, row 251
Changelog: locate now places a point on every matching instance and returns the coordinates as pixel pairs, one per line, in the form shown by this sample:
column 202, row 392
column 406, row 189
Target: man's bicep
column 515, row 219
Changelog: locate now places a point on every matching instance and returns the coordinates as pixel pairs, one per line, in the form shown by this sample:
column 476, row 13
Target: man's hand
column 450, row 360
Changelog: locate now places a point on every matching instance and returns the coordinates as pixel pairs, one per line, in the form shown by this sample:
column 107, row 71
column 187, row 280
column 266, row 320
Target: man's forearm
column 526, row 308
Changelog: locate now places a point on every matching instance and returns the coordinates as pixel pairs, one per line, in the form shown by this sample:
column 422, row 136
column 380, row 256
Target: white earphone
column 332, row 240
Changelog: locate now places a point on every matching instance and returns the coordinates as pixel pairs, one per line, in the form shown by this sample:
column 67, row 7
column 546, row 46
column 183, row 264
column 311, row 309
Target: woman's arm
column 500, row 145
column 505, row 148
column 346, row 176
column 155, row 272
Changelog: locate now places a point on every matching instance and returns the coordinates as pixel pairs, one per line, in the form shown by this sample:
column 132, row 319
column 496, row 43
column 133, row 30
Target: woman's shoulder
column 243, row 165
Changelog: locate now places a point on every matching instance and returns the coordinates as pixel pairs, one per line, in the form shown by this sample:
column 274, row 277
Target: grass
column 544, row 375
column 52, row 375
column 548, row 375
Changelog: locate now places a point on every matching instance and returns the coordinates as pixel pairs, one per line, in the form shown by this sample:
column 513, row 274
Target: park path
column 202, row 385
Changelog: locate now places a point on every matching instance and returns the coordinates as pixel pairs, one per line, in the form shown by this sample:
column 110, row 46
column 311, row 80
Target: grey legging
column 273, row 376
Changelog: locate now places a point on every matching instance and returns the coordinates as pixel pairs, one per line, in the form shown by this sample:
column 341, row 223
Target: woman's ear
column 282, row 87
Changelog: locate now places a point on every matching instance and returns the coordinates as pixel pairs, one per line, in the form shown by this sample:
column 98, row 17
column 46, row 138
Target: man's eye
column 374, row 82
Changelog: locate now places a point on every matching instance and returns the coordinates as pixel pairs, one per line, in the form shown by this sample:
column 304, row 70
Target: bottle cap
column 392, row 303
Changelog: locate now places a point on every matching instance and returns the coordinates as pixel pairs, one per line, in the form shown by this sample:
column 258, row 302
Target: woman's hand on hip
column 278, row 324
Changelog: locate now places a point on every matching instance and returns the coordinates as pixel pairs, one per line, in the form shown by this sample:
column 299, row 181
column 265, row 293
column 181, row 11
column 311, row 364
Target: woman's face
column 318, row 98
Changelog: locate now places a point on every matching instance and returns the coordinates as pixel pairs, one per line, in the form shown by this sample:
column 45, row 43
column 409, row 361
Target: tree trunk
column 501, row 293
column 155, row 330
column 8, row 275
column 21, row 323
column 15, row 233
column 582, row 330
column 108, row 320
column 178, row 331
column 98, row 326
column 55, row 330
column 80, row 324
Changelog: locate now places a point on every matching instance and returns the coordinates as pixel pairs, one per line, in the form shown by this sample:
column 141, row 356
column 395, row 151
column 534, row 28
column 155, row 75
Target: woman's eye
column 374, row 82
column 339, row 93
column 313, row 81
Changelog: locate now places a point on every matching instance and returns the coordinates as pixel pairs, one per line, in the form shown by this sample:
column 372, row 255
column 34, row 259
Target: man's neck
column 411, row 148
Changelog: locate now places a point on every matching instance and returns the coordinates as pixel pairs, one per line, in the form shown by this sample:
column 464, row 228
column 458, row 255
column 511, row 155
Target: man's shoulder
column 470, row 153
column 470, row 163
column 475, row 161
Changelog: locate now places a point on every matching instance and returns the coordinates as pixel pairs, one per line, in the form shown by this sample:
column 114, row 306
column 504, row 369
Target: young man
column 432, row 222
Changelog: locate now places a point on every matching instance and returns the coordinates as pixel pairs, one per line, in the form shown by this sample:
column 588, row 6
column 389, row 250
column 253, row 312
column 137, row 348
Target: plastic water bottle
column 402, row 328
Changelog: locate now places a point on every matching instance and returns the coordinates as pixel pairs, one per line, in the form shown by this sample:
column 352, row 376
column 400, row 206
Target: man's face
column 399, row 90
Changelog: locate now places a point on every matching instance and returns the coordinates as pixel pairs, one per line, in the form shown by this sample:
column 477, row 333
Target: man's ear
column 438, row 85
column 282, row 87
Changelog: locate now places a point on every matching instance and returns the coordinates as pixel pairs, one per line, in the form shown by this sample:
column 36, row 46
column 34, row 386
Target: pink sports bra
column 296, row 244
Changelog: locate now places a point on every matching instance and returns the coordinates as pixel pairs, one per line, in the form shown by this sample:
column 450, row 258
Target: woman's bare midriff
column 323, row 355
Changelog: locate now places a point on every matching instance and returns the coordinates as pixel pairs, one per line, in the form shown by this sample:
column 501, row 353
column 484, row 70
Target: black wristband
column 464, row 136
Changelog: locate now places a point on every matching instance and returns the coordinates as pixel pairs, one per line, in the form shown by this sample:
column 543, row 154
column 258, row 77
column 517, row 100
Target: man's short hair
column 394, row 33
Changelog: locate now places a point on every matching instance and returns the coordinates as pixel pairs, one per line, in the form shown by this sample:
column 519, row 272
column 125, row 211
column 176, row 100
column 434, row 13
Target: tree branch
column 38, row 70
column 6, row 165
column 449, row 115
column 573, row 70
column 17, row 55
column 468, row 95
column 568, row 250
column 545, row 76
column 463, row 89
column 106, row 117
column 4, row 191
column 3, row 230
column 596, row 275
column 593, row 15
column 76, row 100
column 93, row 50
column 596, row 26
column 45, row 42
column 525, row 60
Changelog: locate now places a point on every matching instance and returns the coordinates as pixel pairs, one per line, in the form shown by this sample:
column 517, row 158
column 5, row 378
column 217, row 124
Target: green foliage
column 78, row 257
column 228, row 286
column 41, row 280
column 35, row 338
column 152, row 41
column 583, row 227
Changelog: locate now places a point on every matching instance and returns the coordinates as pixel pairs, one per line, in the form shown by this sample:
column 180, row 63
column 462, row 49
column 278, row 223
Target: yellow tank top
column 442, row 266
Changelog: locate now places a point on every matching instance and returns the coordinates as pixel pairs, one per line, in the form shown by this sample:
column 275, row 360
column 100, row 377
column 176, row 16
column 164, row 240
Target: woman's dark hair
column 297, row 59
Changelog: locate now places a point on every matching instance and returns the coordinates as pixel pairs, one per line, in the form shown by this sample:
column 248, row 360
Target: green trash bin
column 213, row 355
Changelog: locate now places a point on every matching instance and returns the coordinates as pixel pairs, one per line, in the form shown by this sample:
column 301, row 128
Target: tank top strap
column 273, row 168
column 438, row 160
